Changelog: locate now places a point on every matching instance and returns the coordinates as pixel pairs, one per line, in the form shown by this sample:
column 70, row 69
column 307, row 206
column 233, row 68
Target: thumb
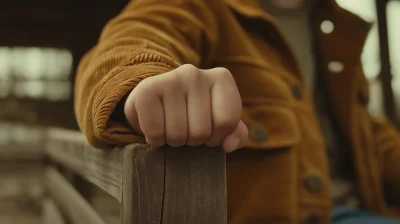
column 237, row 139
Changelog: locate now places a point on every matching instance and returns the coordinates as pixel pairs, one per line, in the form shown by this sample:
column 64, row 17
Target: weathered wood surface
column 143, row 184
column 72, row 204
column 100, row 167
column 195, row 186
column 174, row 185
column 155, row 185
column 51, row 213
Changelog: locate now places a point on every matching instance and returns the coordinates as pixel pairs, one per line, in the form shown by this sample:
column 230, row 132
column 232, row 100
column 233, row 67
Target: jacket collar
column 252, row 8
column 351, row 30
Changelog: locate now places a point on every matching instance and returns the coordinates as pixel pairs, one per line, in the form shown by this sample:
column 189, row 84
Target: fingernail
column 235, row 145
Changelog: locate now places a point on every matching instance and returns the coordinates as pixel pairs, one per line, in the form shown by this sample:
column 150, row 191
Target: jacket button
column 313, row 183
column 296, row 91
column 335, row 66
column 312, row 218
column 327, row 26
column 258, row 133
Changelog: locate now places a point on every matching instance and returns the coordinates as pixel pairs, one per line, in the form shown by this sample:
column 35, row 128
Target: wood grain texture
column 51, row 213
column 154, row 185
column 195, row 186
column 100, row 167
column 143, row 184
column 73, row 205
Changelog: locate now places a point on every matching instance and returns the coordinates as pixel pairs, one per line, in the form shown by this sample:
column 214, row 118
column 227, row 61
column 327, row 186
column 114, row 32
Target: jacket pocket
column 271, row 126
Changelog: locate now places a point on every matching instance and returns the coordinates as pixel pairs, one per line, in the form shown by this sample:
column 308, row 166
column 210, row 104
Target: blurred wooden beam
column 73, row 205
column 100, row 167
column 51, row 213
column 38, row 112
column 21, row 179
column 21, row 152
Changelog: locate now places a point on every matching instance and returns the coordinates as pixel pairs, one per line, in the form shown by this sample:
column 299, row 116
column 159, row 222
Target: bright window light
column 35, row 72
column 366, row 9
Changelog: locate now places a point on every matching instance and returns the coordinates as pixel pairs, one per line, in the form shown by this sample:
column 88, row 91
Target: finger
column 175, row 113
column 226, row 106
column 150, row 112
column 236, row 139
column 199, row 116
column 131, row 114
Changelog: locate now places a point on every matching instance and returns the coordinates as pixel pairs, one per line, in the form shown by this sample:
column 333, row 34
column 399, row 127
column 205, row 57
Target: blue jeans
column 346, row 215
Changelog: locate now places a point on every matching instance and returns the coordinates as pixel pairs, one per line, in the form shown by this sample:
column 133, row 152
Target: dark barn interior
column 72, row 26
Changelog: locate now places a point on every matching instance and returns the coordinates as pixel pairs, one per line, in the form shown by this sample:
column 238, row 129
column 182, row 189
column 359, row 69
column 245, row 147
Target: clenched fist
column 188, row 106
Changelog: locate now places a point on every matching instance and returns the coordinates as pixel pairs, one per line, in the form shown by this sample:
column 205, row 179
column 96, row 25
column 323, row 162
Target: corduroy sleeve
column 147, row 38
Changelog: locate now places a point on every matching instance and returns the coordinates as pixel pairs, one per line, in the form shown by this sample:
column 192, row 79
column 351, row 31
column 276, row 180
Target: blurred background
column 42, row 42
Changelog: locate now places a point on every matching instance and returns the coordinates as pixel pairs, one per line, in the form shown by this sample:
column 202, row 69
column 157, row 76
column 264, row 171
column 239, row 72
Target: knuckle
column 146, row 85
column 188, row 77
column 148, row 81
column 188, row 72
column 188, row 69
column 224, row 73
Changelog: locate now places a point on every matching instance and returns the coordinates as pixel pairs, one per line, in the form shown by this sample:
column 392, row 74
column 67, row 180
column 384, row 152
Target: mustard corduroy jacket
column 283, row 176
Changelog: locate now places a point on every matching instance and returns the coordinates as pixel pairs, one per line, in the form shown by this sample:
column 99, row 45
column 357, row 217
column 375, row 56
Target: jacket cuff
column 107, row 131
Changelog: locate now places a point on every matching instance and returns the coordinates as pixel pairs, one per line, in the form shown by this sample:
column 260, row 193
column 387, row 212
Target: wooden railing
column 21, row 176
column 153, row 185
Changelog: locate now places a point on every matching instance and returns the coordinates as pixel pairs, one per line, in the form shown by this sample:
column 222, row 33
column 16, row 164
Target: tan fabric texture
column 269, row 181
